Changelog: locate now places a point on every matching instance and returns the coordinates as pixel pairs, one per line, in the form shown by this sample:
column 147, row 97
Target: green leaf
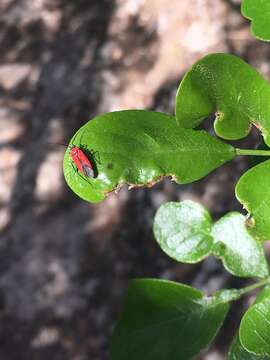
column 227, row 85
column 253, row 191
column 240, row 253
column 238, row 352
column 255, row 326
column 258, row 11
column 183, row 231
column 139, row 148
column 164, row 320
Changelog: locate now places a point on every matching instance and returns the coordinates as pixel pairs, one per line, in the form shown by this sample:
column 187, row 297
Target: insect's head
column 74, row 150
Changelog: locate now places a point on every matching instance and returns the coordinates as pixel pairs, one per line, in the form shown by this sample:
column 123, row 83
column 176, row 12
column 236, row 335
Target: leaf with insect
column 139, row 148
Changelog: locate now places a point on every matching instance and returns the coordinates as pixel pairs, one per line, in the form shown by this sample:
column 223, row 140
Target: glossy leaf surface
column 258, row 11
column 163, row 320
column 186, row 233
column 227, row 85
column 255, row 326
column 138, row 148
column 238, row 352
column 240, row 253
column 253, row 191
column 183, row 231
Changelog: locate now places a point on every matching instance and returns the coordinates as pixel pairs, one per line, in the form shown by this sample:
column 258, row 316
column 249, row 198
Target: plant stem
column 251, row 152
column 228, row 295
column 254, row 286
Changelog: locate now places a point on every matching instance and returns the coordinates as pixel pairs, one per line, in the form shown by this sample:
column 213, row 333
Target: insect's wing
column 88, row 171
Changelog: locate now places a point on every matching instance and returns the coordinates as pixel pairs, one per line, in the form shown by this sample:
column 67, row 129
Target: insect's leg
column 75, row 168
column 85, row 179
column 78, row 173
column 96, row 155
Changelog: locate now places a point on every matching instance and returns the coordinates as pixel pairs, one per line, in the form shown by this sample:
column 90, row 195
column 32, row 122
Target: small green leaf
column 164, row 320
column 139, row 148
column 183, row 231
column 255, row 326
column 227, row 85
column 253, row 191
column 240, row 253
column 238, row 352
column 258, row 11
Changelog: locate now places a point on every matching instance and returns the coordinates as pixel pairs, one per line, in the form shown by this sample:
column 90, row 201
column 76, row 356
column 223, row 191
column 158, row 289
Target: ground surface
column 65, row 264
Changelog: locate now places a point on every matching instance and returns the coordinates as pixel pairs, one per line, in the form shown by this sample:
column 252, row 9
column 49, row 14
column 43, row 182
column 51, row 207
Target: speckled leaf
column 254, row 330
column 139, row 148
column 227, row 85
column 253, row 191
column 258, row 11
column 163, row 320
column 242, row 255
column 238, row 352
column 183, row 231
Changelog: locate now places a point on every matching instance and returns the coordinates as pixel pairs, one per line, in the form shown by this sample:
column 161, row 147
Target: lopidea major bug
column 80, row 160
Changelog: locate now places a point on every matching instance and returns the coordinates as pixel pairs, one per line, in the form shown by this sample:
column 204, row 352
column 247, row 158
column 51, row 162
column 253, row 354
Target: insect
column 81, row 161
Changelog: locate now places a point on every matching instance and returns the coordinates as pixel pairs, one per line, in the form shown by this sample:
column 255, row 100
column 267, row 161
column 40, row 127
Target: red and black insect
column 81, row 161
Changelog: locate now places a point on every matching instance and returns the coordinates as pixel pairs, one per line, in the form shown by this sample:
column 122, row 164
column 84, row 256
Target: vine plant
column 164, row 320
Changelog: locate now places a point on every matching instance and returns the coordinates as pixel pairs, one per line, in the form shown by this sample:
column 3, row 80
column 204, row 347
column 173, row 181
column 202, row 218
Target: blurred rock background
column 65, row 264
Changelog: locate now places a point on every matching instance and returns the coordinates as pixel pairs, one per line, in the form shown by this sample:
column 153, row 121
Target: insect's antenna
column 75, row 136
column 81, row 138
column 60, row 144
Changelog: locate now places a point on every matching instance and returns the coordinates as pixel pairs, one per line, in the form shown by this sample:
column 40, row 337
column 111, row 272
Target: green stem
column 227, row 295
column 254, row 286
column 251, row 152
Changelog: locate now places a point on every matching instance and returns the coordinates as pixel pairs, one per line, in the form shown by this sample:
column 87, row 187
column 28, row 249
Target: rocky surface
column 65, row 264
